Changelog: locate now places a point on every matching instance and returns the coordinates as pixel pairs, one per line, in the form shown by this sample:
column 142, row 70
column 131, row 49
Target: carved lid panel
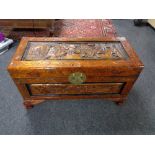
column 74, row 51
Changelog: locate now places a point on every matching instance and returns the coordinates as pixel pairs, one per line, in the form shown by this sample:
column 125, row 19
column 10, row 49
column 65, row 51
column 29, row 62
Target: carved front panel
column 62, row 89
column 74, row 50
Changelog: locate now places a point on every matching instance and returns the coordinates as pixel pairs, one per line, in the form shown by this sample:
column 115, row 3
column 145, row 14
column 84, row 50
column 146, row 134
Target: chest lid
column 61, row 56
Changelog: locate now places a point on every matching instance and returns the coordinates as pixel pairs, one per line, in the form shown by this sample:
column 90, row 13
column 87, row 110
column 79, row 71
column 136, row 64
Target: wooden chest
column 26, row 27
column 26, row 23
column 72, row 68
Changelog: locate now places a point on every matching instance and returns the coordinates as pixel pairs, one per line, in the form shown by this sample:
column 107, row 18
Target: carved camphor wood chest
column 71, row 68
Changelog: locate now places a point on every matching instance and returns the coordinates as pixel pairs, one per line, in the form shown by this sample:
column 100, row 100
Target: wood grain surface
column 110, row 79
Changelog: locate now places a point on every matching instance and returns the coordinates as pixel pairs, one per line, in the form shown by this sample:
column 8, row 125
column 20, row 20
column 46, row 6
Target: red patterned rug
column 70, row 28
column 84, row 28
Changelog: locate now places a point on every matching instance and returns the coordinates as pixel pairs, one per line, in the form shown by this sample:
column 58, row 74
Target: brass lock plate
column 77, row 78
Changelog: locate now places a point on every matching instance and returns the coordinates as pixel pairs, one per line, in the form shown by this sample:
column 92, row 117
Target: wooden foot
column 119, row 102
column 28, row 106
column 30, row 103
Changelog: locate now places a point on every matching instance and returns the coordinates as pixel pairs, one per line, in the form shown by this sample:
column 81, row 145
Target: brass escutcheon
column 77, row 78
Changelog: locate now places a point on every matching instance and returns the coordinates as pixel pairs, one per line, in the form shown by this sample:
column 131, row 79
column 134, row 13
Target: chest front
column 63, row 68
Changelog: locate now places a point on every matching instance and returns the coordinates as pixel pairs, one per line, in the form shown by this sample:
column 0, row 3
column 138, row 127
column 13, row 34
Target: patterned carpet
column 84, row 28
column 68, row 28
